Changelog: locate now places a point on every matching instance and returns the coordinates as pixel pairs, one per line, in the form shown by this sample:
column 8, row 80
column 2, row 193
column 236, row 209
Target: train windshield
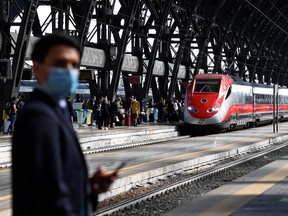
column 204, row 86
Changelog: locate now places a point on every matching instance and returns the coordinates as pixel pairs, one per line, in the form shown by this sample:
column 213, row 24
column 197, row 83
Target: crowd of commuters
column 107, row 114
column 12, row 107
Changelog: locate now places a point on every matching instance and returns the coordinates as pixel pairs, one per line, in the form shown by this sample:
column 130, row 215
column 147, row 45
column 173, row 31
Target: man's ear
column 37, row 71
column 36, row 67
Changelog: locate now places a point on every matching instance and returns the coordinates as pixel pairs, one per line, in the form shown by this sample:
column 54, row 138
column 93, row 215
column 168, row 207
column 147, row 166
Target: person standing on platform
column 113, row 110
column 70, row 107
column 49, row 174
column 85, row 108
column 171, row 111
column 104, row 114
column 97, row 111
column 135, row 111
column 91, row 106
column 20, row 103
column 161, row 109
column 12, row 115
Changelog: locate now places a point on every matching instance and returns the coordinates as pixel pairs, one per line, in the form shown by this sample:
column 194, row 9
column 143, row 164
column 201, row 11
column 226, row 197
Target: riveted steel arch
column 160, row 19
column 207, row 36
column 204, row 43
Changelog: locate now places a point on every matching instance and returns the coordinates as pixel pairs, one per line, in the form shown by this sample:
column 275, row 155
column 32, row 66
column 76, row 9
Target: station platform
column 263, row 192
column 147, row 164
column 93, row 140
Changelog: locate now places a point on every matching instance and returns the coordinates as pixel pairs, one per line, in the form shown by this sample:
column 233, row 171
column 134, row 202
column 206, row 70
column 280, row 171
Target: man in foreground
column 49, row 171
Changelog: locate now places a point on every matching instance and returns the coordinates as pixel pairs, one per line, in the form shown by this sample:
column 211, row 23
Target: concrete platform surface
column 92, row 139
column 153, row 162
column 263, row 192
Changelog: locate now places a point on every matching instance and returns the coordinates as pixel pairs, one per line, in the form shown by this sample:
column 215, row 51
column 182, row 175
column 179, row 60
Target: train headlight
column 216, row 108
column 190, row 108
column 193, row 109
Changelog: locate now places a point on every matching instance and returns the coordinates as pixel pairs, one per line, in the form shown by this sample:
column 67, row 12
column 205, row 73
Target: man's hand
column 101, row 180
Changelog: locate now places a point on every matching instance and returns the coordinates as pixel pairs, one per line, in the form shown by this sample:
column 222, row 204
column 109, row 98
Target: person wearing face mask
column 49, row 174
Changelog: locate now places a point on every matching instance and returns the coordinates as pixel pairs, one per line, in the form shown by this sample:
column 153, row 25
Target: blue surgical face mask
column 62, row 82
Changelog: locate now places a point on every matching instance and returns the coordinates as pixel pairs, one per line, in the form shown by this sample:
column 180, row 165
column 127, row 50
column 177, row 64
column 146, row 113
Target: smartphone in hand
column 122, row 164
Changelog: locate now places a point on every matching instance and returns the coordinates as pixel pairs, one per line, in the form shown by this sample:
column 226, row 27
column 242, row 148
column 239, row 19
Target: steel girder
column 256, row 49
column 244, row 39
column 27, row 12
column 225, row 30
column 11, row 87
column 220, row 37
column 243, row 42
column 186, row 35
column 130, row 11
column 204, row 41
column 160, row 19
column 258, row 34
column 276, row 35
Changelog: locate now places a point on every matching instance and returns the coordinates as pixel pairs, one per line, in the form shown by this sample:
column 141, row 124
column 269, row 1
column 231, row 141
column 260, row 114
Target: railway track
column 122, row 205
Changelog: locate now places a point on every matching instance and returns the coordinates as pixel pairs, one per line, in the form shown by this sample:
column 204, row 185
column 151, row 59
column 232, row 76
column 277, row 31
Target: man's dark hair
column 43, row 46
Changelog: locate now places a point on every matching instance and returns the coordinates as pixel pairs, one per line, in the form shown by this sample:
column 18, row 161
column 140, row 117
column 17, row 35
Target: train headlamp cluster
column 214, row 109
column 193, row 109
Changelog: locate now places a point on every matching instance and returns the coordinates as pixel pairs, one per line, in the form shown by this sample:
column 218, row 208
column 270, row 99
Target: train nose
column 215, row 119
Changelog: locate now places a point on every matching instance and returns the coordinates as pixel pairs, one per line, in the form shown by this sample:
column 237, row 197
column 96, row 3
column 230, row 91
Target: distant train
column 27, row 86
column 219, row 102
column 82, row 91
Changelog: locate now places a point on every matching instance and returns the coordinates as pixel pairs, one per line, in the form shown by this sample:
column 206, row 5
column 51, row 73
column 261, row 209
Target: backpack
column 20, row 104
column 7, row 108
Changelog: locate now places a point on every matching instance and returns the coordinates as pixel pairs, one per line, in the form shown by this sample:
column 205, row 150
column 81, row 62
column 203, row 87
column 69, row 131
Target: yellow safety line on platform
column 5, row 197
column 243, row 196
column 2, row 170
column 183, row 155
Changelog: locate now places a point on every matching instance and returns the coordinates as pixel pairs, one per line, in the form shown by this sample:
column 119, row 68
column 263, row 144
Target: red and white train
column 221, row 102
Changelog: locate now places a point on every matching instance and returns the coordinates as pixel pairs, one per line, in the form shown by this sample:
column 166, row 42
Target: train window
column 207, row 86
column 228, row 93
column 264, row 99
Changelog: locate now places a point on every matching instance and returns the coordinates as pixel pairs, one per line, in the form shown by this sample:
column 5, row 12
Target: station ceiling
column 245, row 38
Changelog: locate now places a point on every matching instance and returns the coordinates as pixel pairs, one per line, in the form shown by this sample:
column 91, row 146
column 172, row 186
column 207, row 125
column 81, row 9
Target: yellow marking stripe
column 5, row 197
column 4, row 170
column 243, row 196
column 182, row 155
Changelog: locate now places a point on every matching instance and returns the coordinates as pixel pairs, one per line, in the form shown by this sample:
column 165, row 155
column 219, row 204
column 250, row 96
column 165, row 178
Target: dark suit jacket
column 49, row 172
